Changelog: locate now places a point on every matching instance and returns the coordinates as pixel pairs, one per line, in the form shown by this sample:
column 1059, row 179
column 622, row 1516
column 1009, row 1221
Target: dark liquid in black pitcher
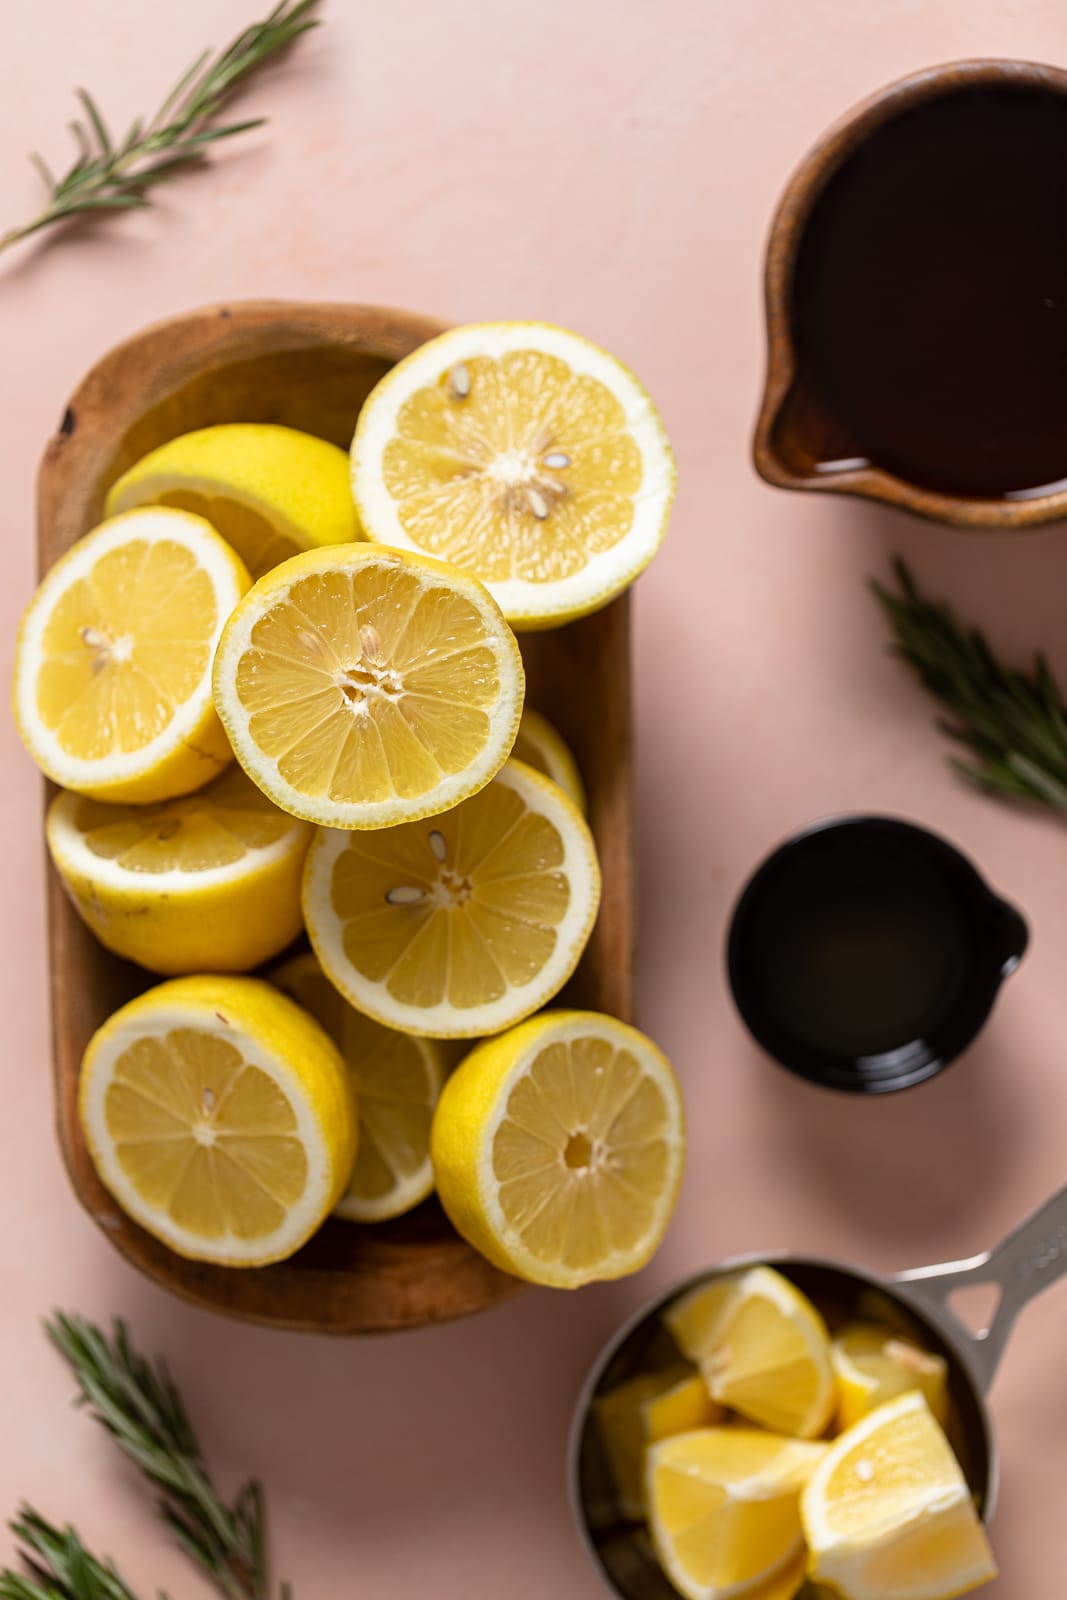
column 930, row 294
column 866, row 953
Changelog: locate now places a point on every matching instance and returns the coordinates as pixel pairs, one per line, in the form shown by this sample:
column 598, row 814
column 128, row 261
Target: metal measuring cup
column 914, row 1304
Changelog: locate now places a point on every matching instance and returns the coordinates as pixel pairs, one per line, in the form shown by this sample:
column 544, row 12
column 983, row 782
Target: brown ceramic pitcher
column 799, row 442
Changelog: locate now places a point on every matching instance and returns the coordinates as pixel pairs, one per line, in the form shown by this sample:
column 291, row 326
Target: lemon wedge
column 362, row 687
column 523, row 454
column 269, row 491
column 397, row 1081
column 220, row 1117
column 113, row 663
column 641, row 1411
column 209, row 882
column 873, row 1364
column 724, row 1510
column 461, row 924
column 762, row 1347
column 888, row 1514
column 541, row 747
column 558, row 1148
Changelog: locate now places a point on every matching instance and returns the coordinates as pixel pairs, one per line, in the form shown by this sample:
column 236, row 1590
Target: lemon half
column 113, row 665
column 362, row 687
column 397, row 1081
column 461, row 924
column 269, row 491
column 558, row 1148
column 221, row 1118
column 523, row 454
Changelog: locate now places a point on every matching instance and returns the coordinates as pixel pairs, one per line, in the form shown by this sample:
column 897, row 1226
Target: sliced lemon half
column 462, row 924
column 888, row 1514
column 541, row 747
column 559, row 1146
column 397, row 1081
column 113, row 663
column 873, row 1364
column 209, row 882
column 762, row 1347
column 269, row 491
column 724, row 1510
column 221, row 1118
column 362, row 687
column 523, row 454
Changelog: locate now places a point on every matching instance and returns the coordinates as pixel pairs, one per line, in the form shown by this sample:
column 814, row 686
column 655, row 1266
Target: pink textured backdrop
column 611, row 165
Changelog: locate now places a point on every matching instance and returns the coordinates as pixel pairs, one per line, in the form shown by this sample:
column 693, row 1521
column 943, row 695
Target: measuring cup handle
column 1031, row 1258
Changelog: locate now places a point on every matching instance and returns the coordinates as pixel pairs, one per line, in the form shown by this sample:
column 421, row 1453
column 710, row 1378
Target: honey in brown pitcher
column 930, row 293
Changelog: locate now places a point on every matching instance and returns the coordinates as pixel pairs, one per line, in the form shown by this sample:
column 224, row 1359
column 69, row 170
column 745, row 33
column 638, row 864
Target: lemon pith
column 113, row 664
column 363, row 687
column 269, row 491
column 558, row 1148
column 220, row 1117
column 209, row 882
column 524, row 454
column 461, row 924
column 397, row 1079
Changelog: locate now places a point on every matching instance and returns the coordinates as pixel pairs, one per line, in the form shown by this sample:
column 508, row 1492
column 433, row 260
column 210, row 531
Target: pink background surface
column 611, row 165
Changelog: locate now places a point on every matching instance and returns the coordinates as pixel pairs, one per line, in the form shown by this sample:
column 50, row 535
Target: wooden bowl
column 311, row 367
column 795, row 436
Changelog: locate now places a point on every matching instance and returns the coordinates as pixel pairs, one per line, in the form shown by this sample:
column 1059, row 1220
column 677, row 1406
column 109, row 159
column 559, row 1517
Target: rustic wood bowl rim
column 794, row 208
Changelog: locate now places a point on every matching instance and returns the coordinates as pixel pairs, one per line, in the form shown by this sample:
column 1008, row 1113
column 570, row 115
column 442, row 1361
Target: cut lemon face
column 635, row 1414
column 888, row 1514
column 206, row 883
column 540, row 746
column 397, row 1081
column 269, row 491
column 361, row 687
column 220, row 1117
column 460, row 925
column 558, row 1148
column 724, row 1510
column 113, row 664
column 762, row 1347
column 526, row 456
column 873, row 1364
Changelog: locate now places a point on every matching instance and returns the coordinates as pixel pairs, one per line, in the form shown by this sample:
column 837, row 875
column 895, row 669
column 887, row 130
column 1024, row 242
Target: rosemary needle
column 1013, row 724
column 115, row 175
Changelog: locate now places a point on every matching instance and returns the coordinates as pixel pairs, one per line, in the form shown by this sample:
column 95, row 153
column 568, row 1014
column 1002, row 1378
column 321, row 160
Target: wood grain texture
column 795, row 435
column 311, row 367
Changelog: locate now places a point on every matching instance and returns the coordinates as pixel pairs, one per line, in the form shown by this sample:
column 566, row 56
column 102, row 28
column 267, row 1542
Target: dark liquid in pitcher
column 930, row 294
column 858, row 946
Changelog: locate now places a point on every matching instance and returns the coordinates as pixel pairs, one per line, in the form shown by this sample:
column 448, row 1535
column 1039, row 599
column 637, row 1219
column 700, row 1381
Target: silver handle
column 1029, row 1260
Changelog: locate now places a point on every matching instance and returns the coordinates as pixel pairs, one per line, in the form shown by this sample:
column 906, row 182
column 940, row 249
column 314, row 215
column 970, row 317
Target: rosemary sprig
column 142, row 1410
column 114, row 175
column 58, row 1566
column 1013, row 725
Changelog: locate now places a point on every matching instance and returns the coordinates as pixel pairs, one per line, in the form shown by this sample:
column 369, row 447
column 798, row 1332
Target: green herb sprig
column 58, row 1566
column 115, row 175
column 140, row 1407
column 1014, row 725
